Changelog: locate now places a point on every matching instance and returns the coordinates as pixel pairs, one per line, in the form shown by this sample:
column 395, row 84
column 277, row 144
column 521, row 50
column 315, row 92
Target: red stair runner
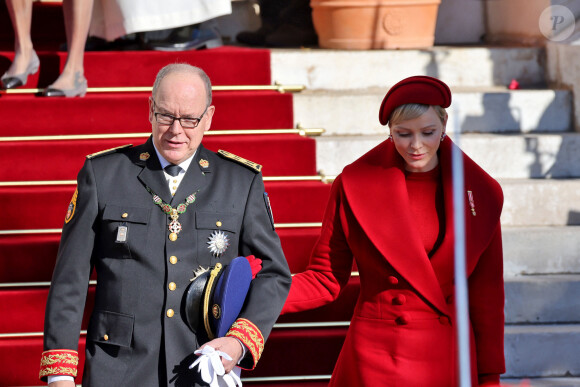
column 313, row 350
column 30, row 159
column 225, row 66
column 105, row 113
column 31, row 257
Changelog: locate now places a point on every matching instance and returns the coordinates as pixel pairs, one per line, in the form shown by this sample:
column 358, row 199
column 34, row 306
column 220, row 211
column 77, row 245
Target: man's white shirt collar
column 174, row 181
column 184, row 165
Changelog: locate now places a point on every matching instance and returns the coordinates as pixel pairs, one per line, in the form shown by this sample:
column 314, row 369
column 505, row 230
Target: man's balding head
column 185, row 69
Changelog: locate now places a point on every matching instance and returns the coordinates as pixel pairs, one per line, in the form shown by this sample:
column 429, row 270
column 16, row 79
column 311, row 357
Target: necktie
column 173, row 170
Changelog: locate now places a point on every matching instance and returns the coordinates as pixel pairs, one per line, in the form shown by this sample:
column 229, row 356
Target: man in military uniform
column 145, row 218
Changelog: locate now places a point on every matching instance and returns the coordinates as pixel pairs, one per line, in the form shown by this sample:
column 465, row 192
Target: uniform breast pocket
column 217, row 236
column 125, row 230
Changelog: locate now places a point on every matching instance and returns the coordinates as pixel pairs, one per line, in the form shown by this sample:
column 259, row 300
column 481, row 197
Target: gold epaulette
column 107, row 151
column 250, row 164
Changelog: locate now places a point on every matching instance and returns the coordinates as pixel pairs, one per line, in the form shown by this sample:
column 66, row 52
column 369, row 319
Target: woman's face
column 417, row 140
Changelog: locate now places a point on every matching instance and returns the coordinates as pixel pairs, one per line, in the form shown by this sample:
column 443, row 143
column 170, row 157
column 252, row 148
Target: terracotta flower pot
column 375, row 24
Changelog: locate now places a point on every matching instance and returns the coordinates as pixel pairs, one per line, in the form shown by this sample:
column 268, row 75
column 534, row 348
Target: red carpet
column 67, row 157
column 20, row 367
column 138, row 68
column 31, row 257
column 283, row 344
column 30, row 303
column 322, row 344
column 129, row 113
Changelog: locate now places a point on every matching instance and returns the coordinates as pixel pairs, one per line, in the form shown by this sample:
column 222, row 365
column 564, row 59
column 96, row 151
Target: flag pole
column 461, row 290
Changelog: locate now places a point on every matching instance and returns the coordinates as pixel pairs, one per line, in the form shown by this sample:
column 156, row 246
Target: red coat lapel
column 376, row 191
column 479, row 228
column 377, row 194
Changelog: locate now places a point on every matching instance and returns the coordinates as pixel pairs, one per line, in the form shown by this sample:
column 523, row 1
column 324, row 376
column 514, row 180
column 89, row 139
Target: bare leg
column 77, row 18
column 21, row 16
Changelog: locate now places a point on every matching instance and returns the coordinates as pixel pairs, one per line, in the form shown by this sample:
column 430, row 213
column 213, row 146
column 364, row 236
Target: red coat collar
column 376, row 191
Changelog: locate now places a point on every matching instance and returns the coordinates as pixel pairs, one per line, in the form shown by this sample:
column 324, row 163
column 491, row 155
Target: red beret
column 418, row 89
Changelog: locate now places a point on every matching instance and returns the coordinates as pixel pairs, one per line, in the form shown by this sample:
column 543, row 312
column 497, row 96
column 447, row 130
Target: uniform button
column 399, row 299
column 124, row 215
column 444, row 320
column 403, row 319
column 449, row 300
column 106, row 337
column 170, row 313
column 218, row 223
column 174, row 188
column 174, row 181
column 393, row 280
column 172, row 286
column 173, row 259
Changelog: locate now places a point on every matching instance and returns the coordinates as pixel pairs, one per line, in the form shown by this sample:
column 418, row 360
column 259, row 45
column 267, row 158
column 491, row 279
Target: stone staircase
column 525, row 138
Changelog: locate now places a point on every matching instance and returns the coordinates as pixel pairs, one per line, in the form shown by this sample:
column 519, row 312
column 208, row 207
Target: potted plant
column 374, row 24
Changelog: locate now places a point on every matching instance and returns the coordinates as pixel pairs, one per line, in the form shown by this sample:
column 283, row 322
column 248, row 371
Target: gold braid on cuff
column 59, row 362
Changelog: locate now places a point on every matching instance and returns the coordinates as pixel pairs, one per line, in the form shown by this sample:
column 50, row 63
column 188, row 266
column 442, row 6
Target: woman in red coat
column 392, row 211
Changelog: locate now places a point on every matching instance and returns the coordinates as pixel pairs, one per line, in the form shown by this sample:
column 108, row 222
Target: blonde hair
column 410, row 111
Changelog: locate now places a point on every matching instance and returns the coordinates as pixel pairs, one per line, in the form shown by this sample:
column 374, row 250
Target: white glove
column 212, row 370
column 232, row 378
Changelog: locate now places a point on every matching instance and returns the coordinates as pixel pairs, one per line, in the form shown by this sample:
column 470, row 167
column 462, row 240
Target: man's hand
column 230, row 346
column 62, row 383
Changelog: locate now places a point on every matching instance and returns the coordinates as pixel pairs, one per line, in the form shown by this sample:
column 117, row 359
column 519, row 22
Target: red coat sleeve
column 486, row 310
column 330, row 263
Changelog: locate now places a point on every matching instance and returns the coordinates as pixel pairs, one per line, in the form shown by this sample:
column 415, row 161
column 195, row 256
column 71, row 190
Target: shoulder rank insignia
column 250, row 164
column 108, row 151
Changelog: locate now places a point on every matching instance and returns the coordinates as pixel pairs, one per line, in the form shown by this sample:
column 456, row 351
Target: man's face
column 179, row 95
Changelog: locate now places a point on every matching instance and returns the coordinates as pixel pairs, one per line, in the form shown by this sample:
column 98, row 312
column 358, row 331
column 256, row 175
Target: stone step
column 542, row 350
column 541, row 382
column 502, row 156
column 541, row 202
column 541, row 250
column 542, row 299
column 474, row 110
column 457, row 66
column 525, row 156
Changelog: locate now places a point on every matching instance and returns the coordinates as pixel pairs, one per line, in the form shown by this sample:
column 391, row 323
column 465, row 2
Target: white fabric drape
column 114, row 18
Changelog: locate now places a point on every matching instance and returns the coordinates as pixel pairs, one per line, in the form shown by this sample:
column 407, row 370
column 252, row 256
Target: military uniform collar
column 152, row 175
column 195, row 179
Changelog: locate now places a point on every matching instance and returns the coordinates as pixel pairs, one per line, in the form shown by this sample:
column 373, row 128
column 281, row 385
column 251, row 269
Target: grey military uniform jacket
column 131, row 339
